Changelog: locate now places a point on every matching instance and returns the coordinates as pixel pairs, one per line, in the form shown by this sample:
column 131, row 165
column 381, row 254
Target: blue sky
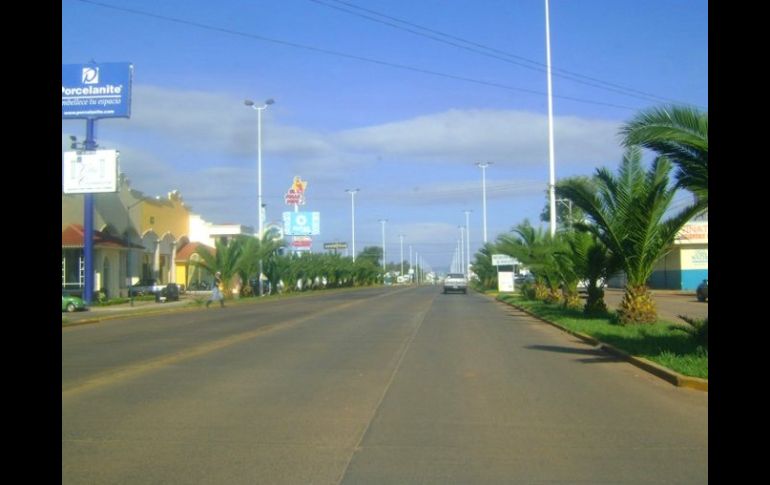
column 361, row 103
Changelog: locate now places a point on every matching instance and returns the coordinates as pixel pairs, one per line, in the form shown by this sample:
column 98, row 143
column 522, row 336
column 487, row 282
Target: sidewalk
column 97, row 313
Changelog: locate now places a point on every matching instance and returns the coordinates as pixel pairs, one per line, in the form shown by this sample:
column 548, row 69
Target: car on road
column 146, row 287
column 71, row 303
column 702, row 293
column 455, row 282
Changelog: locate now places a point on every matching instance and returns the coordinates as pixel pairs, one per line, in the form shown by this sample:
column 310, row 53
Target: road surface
column 371, row 386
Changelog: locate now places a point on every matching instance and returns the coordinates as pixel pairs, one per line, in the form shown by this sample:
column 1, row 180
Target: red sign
column 293, row 197
column 302, row 243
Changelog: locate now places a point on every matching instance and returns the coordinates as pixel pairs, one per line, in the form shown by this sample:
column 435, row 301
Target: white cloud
column 504, row 137
column 204, row 144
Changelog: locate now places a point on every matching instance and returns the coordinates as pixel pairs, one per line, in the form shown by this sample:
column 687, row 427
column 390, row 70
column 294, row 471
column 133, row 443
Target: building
column 136, row 238
column 688, row 262
column 684, row 267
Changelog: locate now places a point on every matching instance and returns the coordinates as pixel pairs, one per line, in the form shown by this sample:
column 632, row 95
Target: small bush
column 698, row 329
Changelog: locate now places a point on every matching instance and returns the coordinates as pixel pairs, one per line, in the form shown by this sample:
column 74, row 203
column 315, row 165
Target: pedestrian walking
column 217, row 292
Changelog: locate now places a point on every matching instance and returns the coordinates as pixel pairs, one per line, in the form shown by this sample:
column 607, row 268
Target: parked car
column 198, row 286
column 145, row 287
column 71, row 303
column 170, row 292
column 520, row 279
column 703, row 291
column 455, row 282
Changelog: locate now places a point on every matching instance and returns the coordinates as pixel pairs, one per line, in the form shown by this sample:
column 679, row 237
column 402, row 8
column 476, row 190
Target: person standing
column 218, row 291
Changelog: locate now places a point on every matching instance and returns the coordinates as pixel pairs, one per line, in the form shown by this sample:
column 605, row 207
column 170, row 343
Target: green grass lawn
column 658, row 342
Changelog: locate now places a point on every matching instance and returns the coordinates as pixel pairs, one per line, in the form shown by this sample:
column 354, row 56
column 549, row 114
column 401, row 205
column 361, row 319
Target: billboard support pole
column 88, row 223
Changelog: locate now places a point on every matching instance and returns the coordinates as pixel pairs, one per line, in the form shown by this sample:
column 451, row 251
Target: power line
column 347, row 56
column 493, row 52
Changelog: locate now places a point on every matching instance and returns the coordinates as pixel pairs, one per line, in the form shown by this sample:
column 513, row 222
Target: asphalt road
column 371, row 386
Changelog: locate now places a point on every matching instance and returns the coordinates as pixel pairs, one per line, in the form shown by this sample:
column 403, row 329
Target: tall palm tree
column 680, row 133
column 627, row 212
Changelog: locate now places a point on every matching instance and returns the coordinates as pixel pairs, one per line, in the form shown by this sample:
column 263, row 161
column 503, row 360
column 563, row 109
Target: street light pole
column 462, row 249
column 353, row 219
column 259, row 110
column 260, row 207
column 483, row 166
column 383, row 221
column 551, row 163
column 467, row 239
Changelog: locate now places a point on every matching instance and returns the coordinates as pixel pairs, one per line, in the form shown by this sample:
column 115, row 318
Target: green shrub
column 698, row 329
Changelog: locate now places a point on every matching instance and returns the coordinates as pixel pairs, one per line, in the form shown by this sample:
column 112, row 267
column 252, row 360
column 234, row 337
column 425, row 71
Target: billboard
column 336, row 245
column 301, row 243
column 503, row 260
column 88, row 172
column 96, row 90
column 296, row 193
column 301, row 223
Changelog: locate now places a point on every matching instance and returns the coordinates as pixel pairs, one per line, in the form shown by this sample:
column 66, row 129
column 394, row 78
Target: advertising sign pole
column 92, row 91
column 88, row 223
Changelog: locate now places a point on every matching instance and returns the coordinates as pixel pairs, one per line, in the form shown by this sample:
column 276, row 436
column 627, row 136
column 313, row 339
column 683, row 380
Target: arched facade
column 138, row 238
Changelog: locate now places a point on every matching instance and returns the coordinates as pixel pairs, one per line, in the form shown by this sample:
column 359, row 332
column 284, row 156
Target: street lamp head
column 269, row 101
column 248, row 102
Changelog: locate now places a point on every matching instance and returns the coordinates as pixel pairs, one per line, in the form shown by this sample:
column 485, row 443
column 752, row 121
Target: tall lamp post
column 259, row 110
column 551, row 163
column 383, row 221
column 352, row 193
column 462, row 249
column 483, row 166
column 467, row 240
column 260, row 206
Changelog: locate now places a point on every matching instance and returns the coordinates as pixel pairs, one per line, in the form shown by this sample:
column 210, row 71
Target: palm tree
column 256, row 255
column 225, row 259
column 681, row 134
column 535, row 249
column 627, row 212
column 592, row 262
column 482, row 266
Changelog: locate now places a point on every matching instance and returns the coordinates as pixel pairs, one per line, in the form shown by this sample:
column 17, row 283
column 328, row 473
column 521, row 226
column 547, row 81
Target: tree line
column 622, row 221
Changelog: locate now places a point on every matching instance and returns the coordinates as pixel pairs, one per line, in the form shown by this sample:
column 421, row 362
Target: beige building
column 136, row 238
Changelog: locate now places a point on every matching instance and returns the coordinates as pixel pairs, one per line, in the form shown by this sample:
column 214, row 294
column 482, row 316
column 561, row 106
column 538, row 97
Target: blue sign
column 301, row 223
column 96, row 90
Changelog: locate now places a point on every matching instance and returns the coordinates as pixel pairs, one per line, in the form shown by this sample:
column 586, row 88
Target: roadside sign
column 503, row 260
column 90, row 172
column 96, row 90
column 336, row 245
column 301, row 223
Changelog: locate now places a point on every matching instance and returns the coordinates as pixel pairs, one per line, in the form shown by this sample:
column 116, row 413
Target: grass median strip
column 658, row 342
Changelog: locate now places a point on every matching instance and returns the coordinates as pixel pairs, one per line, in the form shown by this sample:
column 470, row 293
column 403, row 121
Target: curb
column 664, row 373
column 127, row 314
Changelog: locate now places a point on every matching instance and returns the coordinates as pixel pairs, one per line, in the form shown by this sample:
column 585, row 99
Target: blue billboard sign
column 96, row 90
column 301, row 223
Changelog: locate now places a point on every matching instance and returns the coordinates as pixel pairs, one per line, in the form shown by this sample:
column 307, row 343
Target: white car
column 455, row 282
